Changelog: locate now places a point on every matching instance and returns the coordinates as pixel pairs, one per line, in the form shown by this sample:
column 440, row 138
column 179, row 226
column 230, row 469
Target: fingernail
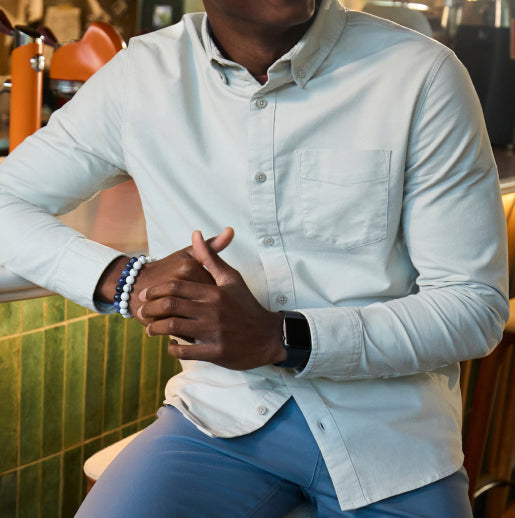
column 139, row 313
column 147, row 330
column 143, row 295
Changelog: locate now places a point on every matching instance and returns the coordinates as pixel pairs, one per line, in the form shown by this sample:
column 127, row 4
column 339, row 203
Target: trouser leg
column 445, row 498
column 173, row 470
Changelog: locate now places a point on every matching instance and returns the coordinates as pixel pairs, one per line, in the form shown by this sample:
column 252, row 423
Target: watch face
column 297, row 333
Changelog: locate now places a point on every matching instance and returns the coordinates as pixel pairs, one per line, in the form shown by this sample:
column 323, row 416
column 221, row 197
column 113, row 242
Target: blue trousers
column 173, row 470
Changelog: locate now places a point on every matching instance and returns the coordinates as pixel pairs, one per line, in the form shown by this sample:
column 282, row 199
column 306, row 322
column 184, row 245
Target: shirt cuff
column 336, row 343
column 80, row 267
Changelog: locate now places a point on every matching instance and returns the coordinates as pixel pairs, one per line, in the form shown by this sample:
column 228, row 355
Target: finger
column 177, row 288
column 217, row 243
column 169, row 306
column 222, row 273
column 175, row 326
column 222, row 241
column 202, row 352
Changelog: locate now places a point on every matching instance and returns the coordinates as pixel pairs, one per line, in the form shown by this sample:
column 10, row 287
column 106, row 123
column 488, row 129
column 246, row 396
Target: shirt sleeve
column 78, row 153
column 454, row 229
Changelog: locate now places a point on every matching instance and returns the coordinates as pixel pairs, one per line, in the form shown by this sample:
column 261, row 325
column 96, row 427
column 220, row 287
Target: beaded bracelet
column 124, row 288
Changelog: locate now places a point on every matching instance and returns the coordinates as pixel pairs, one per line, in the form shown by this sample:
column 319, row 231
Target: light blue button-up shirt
column 362, row 188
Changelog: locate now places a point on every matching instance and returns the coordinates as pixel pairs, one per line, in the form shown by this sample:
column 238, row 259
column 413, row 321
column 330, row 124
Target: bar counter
column 101, row 219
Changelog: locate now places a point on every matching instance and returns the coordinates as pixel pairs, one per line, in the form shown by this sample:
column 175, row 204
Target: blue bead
column 116, row 304
column 133, row 260
column 121, row 280
column 117, row 297
column 119, row 288
column 126, row 273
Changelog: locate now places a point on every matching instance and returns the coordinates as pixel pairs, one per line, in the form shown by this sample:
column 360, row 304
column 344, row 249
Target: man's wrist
column 109, row 279
column 296, row 340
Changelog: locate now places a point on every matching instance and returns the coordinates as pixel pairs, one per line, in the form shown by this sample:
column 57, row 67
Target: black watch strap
column 296, row 340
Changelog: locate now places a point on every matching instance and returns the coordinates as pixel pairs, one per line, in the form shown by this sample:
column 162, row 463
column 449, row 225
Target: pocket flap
column 343, row 167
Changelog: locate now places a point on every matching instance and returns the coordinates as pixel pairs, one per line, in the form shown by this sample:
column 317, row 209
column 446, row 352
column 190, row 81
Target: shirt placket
column 263, row 203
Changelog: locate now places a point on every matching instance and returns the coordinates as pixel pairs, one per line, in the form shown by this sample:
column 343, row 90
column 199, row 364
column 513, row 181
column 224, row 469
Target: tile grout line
column 159, row 373
column 63, row 407
column 124, row 358
column 18, row 441
column 52, row 326
column 104, row 375
column 84, row 391
column 78, row 445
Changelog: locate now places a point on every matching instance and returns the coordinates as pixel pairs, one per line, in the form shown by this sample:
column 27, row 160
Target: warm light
column 410, row 5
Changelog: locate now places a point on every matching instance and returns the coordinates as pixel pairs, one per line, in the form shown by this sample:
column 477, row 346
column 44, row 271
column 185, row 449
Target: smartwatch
column 296, row 340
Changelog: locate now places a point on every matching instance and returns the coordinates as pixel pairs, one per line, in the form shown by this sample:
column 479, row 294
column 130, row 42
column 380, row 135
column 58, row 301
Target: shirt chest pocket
column 344, row 195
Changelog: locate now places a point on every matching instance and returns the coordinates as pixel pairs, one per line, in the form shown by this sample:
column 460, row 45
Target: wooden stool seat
column 97, row 463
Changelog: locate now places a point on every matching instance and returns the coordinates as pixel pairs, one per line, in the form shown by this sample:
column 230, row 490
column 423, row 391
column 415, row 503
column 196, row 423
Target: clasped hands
column 206, row 301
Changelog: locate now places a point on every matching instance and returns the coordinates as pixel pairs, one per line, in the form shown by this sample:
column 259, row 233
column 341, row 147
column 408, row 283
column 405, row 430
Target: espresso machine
column 26, row 83
column 75, row 62
column 72, row 63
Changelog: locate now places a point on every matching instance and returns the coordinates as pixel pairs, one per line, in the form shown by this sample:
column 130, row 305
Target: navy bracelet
column 125, row 283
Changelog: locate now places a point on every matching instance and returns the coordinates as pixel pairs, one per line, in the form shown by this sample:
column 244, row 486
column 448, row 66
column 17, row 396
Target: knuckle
column 216, row 297
column 172, row 326
column 169, row 304
column 186, row 268
column 179, row 351
column 174, row 286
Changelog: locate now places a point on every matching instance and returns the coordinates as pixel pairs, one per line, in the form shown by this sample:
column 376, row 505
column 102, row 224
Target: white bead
column 142, row 259
column 130, row 279
column 125, row 296
column 134, row 272
column 124, row 304
column 127, row 288
column 137, row 265
column 123, row 311
column 128, row 315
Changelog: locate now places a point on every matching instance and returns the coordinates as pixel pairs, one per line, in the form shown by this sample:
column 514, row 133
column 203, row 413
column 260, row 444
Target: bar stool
column 489, row 407
column 97, row 463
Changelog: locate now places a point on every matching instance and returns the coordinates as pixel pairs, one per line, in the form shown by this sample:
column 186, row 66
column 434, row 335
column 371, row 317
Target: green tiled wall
column 71, row 383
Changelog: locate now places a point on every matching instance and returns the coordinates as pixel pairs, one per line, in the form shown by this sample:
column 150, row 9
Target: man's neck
column 257, row 52
column 251, row 44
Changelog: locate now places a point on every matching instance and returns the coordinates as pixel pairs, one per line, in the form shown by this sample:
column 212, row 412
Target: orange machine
column 73, row 63
column 27, row 63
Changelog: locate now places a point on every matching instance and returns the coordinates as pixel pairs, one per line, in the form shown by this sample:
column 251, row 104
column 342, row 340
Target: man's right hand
column 178, row 265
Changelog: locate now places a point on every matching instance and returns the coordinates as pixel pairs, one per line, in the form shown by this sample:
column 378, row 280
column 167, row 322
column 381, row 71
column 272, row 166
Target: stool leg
column 481, row 416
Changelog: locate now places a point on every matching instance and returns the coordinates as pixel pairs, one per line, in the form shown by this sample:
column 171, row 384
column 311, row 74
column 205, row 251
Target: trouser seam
column 265, row 499
column 316, row 471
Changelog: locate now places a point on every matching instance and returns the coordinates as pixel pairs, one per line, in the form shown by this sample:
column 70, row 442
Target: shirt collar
column 303, row 60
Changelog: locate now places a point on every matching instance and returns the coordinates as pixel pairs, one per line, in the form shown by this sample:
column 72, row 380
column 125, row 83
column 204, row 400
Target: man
column 320, row 356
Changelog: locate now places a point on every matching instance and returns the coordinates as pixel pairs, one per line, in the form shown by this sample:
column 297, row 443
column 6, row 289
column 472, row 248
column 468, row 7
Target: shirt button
column 282, row 299
column 268, row 241
column 260, row 177
column 262, row 409
column 261, row 103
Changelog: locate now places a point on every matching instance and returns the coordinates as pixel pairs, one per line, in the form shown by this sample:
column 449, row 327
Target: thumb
column 222, row 241
column 222, row 273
